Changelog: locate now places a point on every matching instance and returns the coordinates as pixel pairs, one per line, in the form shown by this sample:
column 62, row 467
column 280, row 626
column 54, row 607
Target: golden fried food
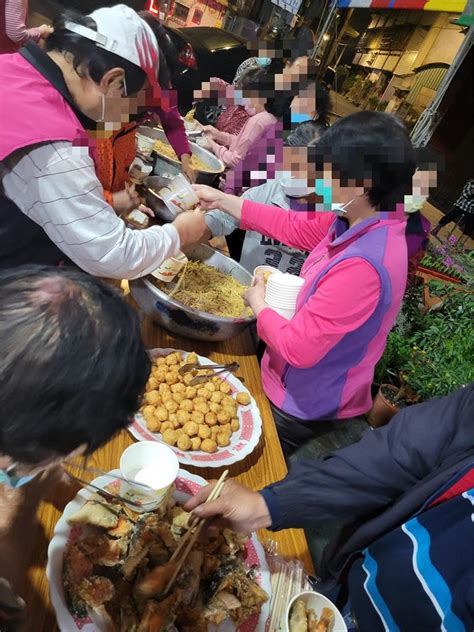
column 184, row 442
column 194, row 418
column 208, row 445
column 243, row 398
column 165, row 149
column 170, row 437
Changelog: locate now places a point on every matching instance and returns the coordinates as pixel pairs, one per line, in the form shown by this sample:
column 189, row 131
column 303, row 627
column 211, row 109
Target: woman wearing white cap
column 52, row 207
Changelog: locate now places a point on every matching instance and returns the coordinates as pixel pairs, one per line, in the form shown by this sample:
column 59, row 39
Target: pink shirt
column 346, row 302
column 232, row 149
column 13, row 31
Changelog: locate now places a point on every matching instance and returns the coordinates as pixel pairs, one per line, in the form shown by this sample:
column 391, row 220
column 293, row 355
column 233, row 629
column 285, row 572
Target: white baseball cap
column 121, row 31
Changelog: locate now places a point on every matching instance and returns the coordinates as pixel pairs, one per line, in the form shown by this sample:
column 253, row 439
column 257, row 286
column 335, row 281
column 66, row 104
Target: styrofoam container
column 317, row 602
column 145, row 145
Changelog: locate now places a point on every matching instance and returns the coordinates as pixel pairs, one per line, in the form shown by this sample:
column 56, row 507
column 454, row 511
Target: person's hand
column 187, row 169
column 147, row 210
column 45, row 31
column 192, row 228
column 126, row 200
column 255, row 295
column 205, row 143
column 245, row 511
column 209, row 198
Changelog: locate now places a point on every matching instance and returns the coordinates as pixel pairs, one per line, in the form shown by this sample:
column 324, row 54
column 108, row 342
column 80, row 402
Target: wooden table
column 265, row 465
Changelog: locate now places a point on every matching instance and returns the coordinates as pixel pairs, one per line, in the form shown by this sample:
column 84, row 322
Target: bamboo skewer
column 189, row 538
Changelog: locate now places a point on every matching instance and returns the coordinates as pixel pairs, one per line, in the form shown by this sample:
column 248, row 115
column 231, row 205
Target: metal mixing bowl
column 183, row 320
column 156, row 204
column 163, row 163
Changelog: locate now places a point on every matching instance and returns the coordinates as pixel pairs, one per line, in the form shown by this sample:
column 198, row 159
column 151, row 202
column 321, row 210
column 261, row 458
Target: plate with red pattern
column 242, row 442
column 186, row 485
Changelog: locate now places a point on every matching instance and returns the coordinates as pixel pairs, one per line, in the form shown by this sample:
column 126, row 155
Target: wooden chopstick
column 189, row 538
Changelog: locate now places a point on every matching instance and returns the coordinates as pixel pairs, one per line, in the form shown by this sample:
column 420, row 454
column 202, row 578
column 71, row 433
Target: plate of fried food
column 212, row 424
column 313, row 612
column 102, row 554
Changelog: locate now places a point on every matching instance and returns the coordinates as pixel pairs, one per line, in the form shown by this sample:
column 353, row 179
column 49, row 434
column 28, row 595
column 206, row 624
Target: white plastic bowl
column 317, row 602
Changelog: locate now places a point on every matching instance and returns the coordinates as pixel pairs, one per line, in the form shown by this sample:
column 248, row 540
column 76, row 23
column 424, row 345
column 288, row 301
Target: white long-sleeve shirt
column 55, row 185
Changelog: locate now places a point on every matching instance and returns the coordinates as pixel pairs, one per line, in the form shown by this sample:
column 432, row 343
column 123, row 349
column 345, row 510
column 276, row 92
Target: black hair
column 168, row 67
column 87, row 57
column 305, row 133
column 73, row 366
column 371, row 146
column 323, row 103
column 427, row 158
column 262, row 82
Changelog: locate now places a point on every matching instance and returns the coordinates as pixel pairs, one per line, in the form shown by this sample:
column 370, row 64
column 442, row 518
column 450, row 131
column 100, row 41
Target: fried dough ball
column 166, row 397
column 152, row 384
column 191, row 358
column 183, row 417
column 199, row 400
column 149, row 417
column 211, row 419
column 172, row 417
column 171, row 406
column 216, row 380
column 204, row 393
column 215, row 431
column 153, row 424
column 229, row 402
column 179, row 432
column 197, row 417
column 204, row 432
column 190, row 392
column 166, row 425
column 225, row 429
column 172, row 359
column 184, row 442
column 223, row 439
column 225, row 388
column 161, row 413
column 148, row 410
column 217, row 397
column 209, row 445
column 223, row 418
column 178, row 397
column 170, row 437
column 172, row 377
column 202, row 408
column 152, row 398
column 234, row 424
column 164, row 388
column 243, row 399
column 211, row 387
column 160, row 375
column 214, row 408
column 191, row 428
column 229, row 411
column 160, row 361
column 195, row 443
column 188, row 377
column 178, row 388
column 186, row 405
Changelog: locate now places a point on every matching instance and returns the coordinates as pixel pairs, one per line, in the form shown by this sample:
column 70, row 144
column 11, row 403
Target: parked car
column 204, row 52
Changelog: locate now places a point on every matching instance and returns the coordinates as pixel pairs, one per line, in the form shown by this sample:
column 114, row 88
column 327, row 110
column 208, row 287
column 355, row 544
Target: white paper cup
column 317, row 602
column 170, row 268
column 151, row 463
column 145, row 145
column 285, row 281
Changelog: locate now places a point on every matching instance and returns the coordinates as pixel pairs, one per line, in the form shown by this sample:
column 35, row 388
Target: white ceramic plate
column 242, row 442
column 186, row 485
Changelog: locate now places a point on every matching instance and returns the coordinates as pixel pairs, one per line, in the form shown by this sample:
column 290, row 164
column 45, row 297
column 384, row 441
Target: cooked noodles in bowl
column 206, row 289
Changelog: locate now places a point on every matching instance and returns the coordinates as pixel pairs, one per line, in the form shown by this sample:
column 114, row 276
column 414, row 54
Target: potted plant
column 427, row 354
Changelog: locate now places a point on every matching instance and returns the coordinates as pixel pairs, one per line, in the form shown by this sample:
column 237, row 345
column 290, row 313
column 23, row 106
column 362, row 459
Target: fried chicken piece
column 102, row 550
column 76, row 565
column 157, row 615
column 96, row 591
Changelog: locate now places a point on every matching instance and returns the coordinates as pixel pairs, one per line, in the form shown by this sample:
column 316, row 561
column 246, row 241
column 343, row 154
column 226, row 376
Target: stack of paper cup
column 282, row 292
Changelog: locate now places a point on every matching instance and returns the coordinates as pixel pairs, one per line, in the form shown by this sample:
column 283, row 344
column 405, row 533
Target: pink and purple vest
column 339, row 385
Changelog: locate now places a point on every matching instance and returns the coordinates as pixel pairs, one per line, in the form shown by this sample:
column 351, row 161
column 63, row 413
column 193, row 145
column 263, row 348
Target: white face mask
column 294, row 187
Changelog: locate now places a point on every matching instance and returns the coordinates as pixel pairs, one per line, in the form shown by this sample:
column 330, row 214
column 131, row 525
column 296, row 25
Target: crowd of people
column 338, row 205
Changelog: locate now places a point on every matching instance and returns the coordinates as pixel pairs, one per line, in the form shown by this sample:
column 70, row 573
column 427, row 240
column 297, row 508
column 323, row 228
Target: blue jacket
column 378, row 485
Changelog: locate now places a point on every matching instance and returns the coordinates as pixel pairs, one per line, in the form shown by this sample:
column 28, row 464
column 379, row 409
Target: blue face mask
column 10, row 479
column 299, row 118
column 239, row 98
column 324, row 190
column 263, row 62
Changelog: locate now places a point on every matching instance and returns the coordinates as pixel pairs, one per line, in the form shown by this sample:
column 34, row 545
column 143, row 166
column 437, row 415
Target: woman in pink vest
column 318, row 368
column 52, row 206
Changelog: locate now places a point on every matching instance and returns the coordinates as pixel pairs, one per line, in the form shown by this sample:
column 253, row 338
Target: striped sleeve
column 55, row 185
column 15, row 27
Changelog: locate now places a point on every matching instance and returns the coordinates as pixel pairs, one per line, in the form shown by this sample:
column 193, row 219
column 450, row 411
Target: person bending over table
column 52, row 206
column 318, row 367
column 405, row 494
column 72, row 373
